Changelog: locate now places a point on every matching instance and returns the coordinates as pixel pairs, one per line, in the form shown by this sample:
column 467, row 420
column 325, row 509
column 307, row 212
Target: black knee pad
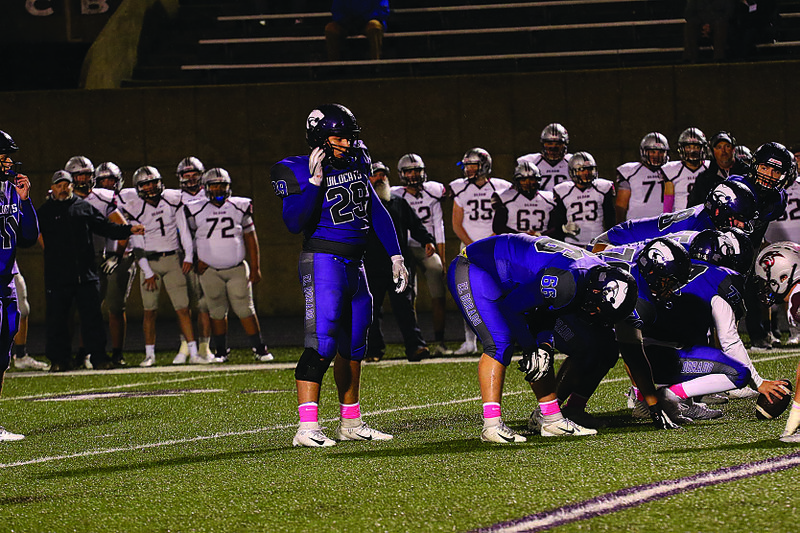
column 311, row 366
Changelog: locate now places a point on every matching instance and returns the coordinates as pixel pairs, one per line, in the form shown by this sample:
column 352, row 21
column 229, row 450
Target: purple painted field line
column 633, row 496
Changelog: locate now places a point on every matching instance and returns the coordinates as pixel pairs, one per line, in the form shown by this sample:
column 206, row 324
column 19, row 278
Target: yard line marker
column 634, row 496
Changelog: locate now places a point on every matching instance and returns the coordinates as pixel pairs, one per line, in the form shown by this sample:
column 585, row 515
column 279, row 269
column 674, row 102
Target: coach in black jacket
column 67, row 224
column 379, row 274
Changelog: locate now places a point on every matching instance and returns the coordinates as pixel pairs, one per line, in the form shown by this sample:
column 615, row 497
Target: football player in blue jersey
column 328, row 197
column 659, row 268
column 497, row 282
column 730, row 203
column 21, row 229
column 772, row 170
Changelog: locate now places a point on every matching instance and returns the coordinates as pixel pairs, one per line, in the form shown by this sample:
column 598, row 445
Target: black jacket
column 710, row 178
column 405, row 219
column 67, row 228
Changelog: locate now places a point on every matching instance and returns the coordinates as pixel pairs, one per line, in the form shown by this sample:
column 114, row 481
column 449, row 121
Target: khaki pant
column 228, row 285
column 167, row 270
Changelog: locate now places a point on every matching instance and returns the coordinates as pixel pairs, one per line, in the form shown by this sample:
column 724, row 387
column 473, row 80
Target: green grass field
column 209, row 449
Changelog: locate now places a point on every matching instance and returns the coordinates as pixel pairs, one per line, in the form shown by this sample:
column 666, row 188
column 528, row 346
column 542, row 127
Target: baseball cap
column 722, row 136
column 61, row 175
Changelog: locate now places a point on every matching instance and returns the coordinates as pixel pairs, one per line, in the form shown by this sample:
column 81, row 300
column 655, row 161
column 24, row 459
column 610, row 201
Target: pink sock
column 679, row 392
column 308, row 412
column 491, row 410
column 550, row 408
column 351, row 411
column 639, row 395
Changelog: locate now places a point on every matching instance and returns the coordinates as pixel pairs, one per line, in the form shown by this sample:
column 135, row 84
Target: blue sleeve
column 300, row 198
column 29, row 225
column 383, row 225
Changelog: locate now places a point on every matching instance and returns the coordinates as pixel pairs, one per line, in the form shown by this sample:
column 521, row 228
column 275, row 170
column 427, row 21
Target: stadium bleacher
column 213, row 42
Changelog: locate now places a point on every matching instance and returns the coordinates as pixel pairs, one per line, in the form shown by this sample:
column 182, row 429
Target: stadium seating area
column 212, row 41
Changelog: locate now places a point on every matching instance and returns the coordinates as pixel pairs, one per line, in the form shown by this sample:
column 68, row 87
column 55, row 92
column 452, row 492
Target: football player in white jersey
column 108, row 251
column 426, row 198
column 584, row 205
column 473, row 213
column 160, row 211
column 693, row 151
column 553, row 159
column 525, row 208
column 190, row 172
column 641, row 187
column 225, row 235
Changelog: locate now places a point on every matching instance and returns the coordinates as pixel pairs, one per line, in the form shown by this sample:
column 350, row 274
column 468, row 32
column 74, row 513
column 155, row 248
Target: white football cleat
column 184, row 349
column 87, row 362
column 149, row 360
column 180, row 359
column 566, row 428
column 442, row 350
column 744, row 392
column 466, row 348
column 501, row 434
column 312, row 438
column 205, row 350
column 29, row 362
column 794, row 340
column 640, row 409
column 199, row 360
column 6, row 435
column 263, row 355
column 362, row 432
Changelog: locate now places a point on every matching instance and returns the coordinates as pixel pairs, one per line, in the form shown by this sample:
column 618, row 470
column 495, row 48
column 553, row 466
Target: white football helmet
column 411, row 168
column 692, row 146
column 579, row 162
column 654, row 142
column 554, row 133
column 142, row 177
column 480, row 157
column 777, row 270
column 109, row 170
column 217, row 184
column 81, row 165
column 194, row 168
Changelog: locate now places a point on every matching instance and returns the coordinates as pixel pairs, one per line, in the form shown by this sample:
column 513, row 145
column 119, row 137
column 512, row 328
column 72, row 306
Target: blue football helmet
column 727, row 247
column 610, row 294
column 773, row 155
column 333, row 120
column 665, row 266
column 731, row 203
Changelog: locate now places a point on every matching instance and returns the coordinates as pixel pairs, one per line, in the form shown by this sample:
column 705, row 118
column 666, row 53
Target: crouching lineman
column 160, row 211
column 224, row 233
column 777, row 275
column 497, row 281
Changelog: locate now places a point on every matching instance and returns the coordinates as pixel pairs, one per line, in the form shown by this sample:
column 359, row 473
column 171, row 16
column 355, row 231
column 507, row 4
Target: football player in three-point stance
column 16, row 203
column 473, row 213
column 693, row 150
column 585, row 204
column 108, row 251
column 426, row 197
column 642, row 190
column 328, row 197
column 224, row 236
column 160, row 211
column 190, row 172
column 511, row 289
column 553, row 159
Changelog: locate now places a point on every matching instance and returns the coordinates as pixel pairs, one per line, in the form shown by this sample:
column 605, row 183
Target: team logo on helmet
column 314, row 118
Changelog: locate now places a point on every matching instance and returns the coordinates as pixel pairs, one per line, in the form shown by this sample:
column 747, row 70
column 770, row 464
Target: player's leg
column 150, row 313
column 379, row 284
column 406, row 316
column 352, row 349
column 8, row 326
column 323, row 279
column 216, row 295
column 118, row 289
column 21, row 358
column 93, row 331
column 178, row 291
column 58, row 307
column 435, row 278
column 240, row 296
column 199, row 308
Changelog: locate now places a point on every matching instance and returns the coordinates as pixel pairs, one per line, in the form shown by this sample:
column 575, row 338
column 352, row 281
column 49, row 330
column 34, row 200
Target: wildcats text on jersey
column 347, row 177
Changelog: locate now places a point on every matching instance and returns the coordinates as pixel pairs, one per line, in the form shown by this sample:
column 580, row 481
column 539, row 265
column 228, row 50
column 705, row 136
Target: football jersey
column 647, row 189
column 552, row 175
column 588, row 208
column 335, row 217
column 532, row 272
column 477, row 204
column 105, row 201
column 787, row 226
column 682, row 178
column 189, row 197
column 527, row 214
column 218, row 231
column 428, row 206
column 18, row 225
column 164, row 223
column 693, row 219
